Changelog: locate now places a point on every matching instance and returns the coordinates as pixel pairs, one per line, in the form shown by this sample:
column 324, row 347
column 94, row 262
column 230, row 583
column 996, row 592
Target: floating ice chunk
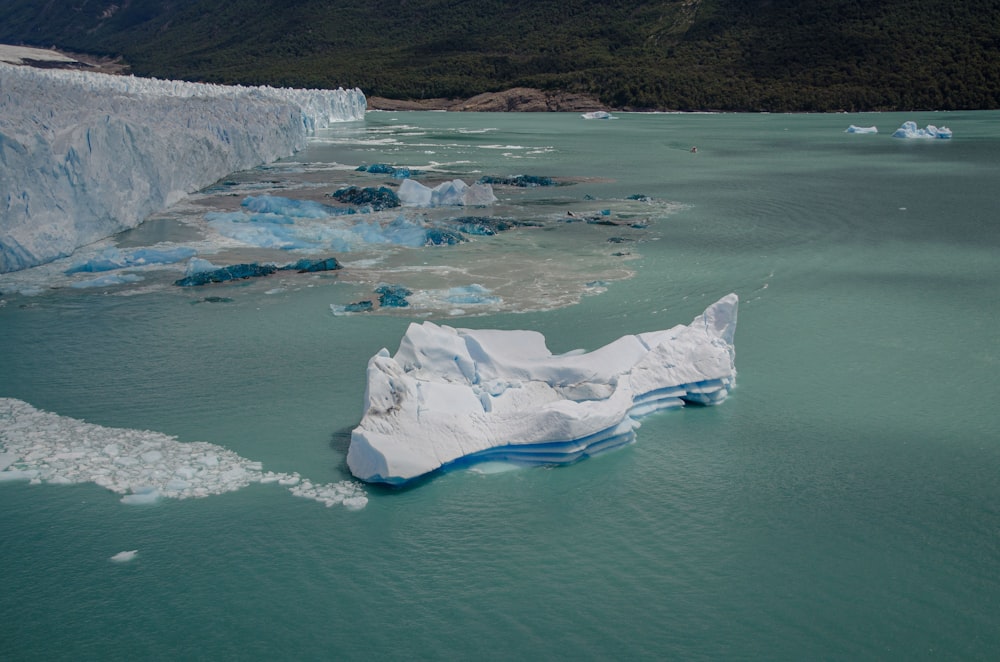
column 910, row 130
column 142, row 495
column 412, row 193
column 425, row 406
column 107, row 280
column 124, row 557
column 17, row 474
column 861, row 129
column 454, row 193
column 598, row 115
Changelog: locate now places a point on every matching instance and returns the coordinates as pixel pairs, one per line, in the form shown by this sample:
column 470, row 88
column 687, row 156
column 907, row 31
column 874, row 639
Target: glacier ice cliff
column 86, row 155
column 452, row 397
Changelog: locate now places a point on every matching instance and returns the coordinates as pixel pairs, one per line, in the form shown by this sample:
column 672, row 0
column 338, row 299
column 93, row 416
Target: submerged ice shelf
column 461, row 396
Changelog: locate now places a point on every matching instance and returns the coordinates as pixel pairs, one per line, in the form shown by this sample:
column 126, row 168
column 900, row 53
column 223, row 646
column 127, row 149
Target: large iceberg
column 86, row 155
column 452, row 397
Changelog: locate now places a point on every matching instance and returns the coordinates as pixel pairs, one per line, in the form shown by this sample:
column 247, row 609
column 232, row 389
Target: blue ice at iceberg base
column 453, row 397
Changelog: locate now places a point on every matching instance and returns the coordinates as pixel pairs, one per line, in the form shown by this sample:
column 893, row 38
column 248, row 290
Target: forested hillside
column 759, row 55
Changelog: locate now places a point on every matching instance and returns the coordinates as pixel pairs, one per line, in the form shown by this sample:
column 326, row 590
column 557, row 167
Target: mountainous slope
column 774, row 55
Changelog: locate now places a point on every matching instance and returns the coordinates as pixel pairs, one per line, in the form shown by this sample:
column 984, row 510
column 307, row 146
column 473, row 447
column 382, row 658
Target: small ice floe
column 598, row 115
column 124, row 557
column 861, row 129
column 910, row 130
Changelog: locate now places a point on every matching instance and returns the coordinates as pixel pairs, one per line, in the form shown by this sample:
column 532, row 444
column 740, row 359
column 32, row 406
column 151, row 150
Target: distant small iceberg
column 124, row 557
column 910, row 130
column 861, row 129
column 598, row 115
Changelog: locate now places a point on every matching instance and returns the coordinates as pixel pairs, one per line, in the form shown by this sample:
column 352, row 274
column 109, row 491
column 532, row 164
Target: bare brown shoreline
column 518, row 99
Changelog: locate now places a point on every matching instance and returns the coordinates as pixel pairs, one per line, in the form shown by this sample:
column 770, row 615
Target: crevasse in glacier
column 86, row 155
column 459, row 396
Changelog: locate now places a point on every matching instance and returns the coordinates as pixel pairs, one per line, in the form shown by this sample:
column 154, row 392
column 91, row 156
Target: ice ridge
column 86, row 155
column 451, row 397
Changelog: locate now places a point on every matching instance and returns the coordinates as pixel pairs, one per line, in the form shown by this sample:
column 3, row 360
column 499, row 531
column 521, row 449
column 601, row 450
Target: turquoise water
column 843, row 503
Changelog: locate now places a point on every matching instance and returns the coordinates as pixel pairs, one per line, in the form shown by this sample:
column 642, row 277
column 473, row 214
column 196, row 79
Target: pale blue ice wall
column 84, row 156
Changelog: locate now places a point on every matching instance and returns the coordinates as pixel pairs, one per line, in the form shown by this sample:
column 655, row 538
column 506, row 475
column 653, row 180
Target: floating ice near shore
column 598, row 115
column 462, row 396
column 910, row 130
column 861, row 129
column 454, row 193
column 85, row 155
column 141, row 465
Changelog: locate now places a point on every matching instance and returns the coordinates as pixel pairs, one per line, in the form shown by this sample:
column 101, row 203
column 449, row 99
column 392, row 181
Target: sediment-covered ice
column 140, row 465
column 460, row 396
column 85, row 155
column 910, row 130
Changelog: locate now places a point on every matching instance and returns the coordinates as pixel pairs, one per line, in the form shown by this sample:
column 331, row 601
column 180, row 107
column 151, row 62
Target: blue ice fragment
column 227, row 273
column 522, row 181
column 359, row 307
column 157, row 256
column 113, row 258
column 376, row 198
column 470, row 294
column 306, row 265
column 107, row 280
column 439, row 237
column 386, row 169
column 393, row 296
column 292, row 208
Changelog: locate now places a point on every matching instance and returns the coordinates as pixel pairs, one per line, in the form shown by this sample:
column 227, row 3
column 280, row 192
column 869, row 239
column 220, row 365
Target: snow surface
column 462, row 396
column 910, row 130
column 84, row 155
column 142, row 466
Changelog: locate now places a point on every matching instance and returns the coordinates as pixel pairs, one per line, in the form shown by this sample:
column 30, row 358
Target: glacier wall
column 85, row 155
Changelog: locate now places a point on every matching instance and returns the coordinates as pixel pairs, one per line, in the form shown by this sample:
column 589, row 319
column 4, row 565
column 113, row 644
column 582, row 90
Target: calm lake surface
column 843, row 503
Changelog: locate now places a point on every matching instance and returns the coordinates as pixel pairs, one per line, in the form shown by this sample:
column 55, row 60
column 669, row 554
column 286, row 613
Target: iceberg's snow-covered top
column 86, row 155
column 462, row 395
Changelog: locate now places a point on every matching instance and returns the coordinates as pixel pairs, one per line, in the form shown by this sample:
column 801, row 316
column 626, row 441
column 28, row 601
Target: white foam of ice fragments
column 452, row 397
column 141, row 465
